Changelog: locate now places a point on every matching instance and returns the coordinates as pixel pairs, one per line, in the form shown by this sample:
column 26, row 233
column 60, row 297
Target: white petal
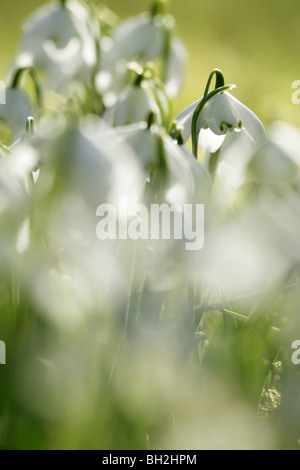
column 219, row 114
column 88, row 30
column 209, row 141
column 287, row 138
column 23, row 238
column 16, row 111
column 103, row 81
column 181, row 181
column 134, row 105
column 175, row 68
column 52, row 36
column 201, row 176
column 250, row 121
column 61, row 55
column 50, row 21
column 185, row 118
column 139, row 37
column 143, row 142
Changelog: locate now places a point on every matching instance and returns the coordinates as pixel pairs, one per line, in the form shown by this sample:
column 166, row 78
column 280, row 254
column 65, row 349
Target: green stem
column 166, row 52
column 213, row 162
column 244, row 319
column 159, row 7
column 247, row 298
column 220, row 81
column 158, row 87
column 18, row 76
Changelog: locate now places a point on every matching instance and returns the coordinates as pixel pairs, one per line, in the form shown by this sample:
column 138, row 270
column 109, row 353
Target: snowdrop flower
column 183, row 179
column 140, row 36
column 59, row 41
column 144, row 38
column 143, row 100
column 135, row 104
column 221, row 113
column 174, row 177
column 89, row 151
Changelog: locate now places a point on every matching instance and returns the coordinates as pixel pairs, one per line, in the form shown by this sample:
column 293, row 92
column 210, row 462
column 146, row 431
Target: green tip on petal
column 176, row 133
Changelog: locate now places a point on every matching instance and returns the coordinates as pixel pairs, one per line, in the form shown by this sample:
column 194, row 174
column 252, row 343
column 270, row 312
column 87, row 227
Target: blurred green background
column 256, row 44
column 140, row 386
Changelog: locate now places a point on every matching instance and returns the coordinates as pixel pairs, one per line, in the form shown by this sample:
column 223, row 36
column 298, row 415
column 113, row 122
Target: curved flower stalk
column 209, row 119
column 146, row 96
column 59, row 42
column 149, row 37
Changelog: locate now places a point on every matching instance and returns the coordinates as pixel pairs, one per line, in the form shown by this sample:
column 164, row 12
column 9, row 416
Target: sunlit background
column 145, row 346
column 256, row 44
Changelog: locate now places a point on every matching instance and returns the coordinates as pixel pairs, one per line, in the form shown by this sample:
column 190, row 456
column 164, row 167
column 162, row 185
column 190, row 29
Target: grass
column 143, row 345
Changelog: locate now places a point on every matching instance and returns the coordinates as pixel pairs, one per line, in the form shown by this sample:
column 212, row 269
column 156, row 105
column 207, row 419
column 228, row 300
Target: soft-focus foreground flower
column 143, row 100
column 13, row 115
column 145, row 38
column 172, row 177
column 221, row 113
column 59, row 41
column 134, row 104
column 83, row 166
column 109, row 273
column 89, row 151
column 182, row 179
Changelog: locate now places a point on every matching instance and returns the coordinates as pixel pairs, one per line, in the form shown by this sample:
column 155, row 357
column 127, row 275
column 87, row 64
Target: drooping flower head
column 144, row 96
column 209, row 119
column 148, row 37
column 59, row 42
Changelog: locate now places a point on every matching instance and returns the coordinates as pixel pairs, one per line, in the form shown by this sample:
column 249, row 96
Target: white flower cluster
column 102, row 131
column 87, row 122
